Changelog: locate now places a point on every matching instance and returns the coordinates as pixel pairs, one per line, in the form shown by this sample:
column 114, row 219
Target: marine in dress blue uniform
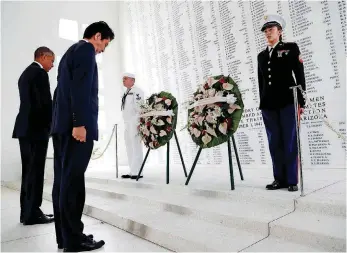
column 74, row 130
column 276, row 65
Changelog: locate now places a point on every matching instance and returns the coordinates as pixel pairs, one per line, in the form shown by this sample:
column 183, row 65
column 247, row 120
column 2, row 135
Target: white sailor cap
column 272, row 20
column 129, row 75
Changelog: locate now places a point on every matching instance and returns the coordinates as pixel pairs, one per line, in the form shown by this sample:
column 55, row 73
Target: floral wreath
column 215, row 111
column 158, row 119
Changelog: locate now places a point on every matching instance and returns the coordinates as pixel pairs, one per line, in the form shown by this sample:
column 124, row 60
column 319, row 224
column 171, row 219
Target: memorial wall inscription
column 174, row 45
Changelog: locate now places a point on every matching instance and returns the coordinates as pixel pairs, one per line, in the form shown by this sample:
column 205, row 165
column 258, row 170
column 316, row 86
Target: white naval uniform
column 131, row 121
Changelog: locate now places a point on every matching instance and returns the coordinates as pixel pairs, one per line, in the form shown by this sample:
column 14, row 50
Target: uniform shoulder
column 290, row 45
column 261, row 53
column 138, row 89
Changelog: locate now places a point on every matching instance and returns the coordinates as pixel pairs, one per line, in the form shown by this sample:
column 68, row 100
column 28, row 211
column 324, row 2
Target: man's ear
column 97, row 36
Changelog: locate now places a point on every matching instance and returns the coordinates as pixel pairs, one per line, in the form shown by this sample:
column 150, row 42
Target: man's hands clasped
column 80, row 133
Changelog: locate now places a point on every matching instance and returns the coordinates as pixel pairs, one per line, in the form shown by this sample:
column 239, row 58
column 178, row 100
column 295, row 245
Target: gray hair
column 42, row 51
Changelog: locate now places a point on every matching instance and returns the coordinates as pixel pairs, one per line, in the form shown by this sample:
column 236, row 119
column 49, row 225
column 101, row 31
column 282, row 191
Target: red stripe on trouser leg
column 297, row 171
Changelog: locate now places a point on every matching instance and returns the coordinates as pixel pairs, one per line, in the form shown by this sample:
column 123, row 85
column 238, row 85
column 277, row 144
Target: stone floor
column 41, row 238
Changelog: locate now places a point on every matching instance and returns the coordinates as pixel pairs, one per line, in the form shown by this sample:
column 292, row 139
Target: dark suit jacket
column 76, row 96
column 275, row 76
column 35, row 112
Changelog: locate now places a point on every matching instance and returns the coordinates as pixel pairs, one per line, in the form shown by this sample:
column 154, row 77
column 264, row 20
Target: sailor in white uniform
column 131, row 100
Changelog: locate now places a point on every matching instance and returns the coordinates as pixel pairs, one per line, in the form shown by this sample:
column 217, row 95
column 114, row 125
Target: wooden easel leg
column 231, row 166
column 181, row 156
column 143, row 164
column 168, row 163
column 193, row 166
column 237, row 156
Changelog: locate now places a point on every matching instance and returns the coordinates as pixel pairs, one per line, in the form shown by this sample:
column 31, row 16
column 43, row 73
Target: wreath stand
column 167, row 160
column 230, row 163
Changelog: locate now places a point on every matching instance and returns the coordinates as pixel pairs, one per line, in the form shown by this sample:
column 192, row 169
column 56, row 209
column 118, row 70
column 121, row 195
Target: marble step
column 273, row 244
column 167, row 229
column 281, row 199
column 251, row 217
column 327, row 201
column 135, row 207
column 324, row 232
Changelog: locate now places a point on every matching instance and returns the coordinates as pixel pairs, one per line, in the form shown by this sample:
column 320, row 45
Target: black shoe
column 43, row 219
column 292, row 188
column 86, row 238
column 276, row 185
column 126, row 176
column 86, row 246
column 135, row 177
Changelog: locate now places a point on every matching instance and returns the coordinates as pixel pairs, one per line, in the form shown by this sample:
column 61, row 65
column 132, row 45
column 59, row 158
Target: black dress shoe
column 85, row 246
column 276, row 185
column 126, row 176
column 43, row 219
column 292, row 188
column 135, row 177
column 86, row 237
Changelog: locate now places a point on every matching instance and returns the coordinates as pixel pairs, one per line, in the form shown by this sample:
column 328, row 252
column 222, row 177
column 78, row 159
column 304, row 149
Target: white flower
column 157, row 100
column 159, row 107
column 227, row 86
column 219, row 94
column 160, row 123
column 168, row 101
column 196, row 132
column 223, row 128
column 206, row 139
column 169, row 120
column 209, row 118
column 231, row 99
column 145, row 132
column 210, row 130
column 152, row 137
column 232, row 108
column 162, row 133
column 211, row 92
column 151, row 145
column 200, row 120
column 152, row 129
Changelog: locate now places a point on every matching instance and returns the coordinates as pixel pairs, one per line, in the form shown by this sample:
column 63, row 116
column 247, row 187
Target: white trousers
column 133, row 147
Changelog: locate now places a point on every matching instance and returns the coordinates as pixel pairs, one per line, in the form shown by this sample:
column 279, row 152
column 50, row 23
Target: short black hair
column 99, row 27
column 41, row 51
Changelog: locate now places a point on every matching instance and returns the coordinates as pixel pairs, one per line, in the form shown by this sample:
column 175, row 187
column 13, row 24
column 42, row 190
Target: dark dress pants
column 71, row 160
column 280, row 127
column 33, row 156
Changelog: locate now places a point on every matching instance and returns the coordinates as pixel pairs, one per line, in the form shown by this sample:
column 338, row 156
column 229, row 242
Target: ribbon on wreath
column 230, row 99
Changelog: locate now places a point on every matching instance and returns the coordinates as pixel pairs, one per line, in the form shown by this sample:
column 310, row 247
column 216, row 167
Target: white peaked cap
column 271, row 20
column 129, row 75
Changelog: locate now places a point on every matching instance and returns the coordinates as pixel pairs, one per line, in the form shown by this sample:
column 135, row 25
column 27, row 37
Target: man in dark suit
column 74, row 130
column 32, row 129
column 276, row 65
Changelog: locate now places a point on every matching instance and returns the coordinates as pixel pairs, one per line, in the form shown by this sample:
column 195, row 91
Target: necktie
column 270, row 51
column 124, row 98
